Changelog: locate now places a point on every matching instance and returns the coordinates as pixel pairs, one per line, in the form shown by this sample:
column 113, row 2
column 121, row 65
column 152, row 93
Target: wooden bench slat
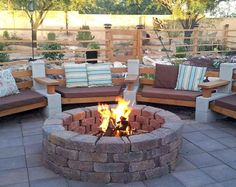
column 213, row 84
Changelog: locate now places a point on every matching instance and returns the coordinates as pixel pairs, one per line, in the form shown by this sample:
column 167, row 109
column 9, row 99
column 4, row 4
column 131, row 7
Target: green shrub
column 51, row 36
column 6, row 35
column 84, row 35
column 93, row 45
column 4, row 57
column 52, row 55
column 181, row 49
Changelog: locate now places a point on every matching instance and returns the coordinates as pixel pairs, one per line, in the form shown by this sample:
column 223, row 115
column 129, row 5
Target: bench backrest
column 25, row 77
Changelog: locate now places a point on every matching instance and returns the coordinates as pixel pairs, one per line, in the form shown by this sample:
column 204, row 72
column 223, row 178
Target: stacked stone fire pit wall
column 112, row 159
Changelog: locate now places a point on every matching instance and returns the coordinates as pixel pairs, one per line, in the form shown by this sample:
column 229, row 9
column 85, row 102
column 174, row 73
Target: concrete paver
column 207, row 157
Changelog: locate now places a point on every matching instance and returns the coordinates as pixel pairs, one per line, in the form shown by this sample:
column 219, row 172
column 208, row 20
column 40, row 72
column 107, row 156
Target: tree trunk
column 67, row 22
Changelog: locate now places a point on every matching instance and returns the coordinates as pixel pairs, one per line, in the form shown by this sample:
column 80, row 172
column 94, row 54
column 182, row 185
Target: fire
column 115, row 118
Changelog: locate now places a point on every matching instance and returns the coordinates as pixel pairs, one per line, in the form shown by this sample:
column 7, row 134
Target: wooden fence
column 118, row 44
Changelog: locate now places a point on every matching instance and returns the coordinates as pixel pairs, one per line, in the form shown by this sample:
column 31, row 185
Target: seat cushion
column 228, row 102
column 149, row 91
column 89, row 91
column 166, row 76
column 25, row 97
column 76, row 75
column 99, row 74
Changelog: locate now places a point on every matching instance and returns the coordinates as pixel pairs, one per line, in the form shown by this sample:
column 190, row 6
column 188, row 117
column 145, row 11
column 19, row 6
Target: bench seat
column 86, row 92
column 25, row 100
column 228, row 102
column 149, row 91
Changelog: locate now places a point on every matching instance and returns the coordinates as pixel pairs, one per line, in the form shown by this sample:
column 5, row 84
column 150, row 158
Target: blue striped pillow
column 76, row 75
column 99, row 75
column 189, row 77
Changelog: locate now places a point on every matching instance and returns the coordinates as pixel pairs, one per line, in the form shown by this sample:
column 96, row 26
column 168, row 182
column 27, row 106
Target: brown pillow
column 166, row 76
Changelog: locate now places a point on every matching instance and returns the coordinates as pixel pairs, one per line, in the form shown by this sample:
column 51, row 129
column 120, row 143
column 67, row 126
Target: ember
column 114, row 121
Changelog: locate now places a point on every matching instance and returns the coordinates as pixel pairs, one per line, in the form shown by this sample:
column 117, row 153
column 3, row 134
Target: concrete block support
column 54, row 100
column 203, row 113
column 54, row 103
column 133, row 69
column 38, row 70
column 226, row 73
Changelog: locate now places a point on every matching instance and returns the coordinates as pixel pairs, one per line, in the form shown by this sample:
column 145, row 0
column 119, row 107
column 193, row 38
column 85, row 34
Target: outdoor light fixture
column 31, row 11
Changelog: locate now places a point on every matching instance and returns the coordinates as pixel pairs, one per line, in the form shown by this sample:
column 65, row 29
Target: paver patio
column 207, row 158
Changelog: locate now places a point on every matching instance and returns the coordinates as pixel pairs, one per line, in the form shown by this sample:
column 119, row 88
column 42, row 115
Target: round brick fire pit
column 70, row 147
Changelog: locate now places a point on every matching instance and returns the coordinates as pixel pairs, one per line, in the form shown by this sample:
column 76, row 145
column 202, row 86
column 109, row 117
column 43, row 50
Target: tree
column 189, row 12
column 79, row 5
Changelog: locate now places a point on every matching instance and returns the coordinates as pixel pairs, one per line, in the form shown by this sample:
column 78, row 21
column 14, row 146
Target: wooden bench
column 144, row 81
column 27, row 99
column 225, row 105
column 96, row 95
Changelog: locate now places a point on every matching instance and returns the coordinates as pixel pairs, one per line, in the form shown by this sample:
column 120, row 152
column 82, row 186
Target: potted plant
column 92, row 54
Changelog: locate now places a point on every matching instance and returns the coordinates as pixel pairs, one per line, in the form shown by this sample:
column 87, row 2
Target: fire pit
column 140, row 145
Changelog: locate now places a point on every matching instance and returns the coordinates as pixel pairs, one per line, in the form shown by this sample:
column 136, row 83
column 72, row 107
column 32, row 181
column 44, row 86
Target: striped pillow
column 76, row 75
column 99, row 75
column 189, row 77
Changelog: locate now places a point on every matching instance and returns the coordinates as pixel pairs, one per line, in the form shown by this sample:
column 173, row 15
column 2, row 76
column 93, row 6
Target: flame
column 114, row 116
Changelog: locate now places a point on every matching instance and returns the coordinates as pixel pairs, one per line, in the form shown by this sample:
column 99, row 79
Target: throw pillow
column 189, row 77
column 166, row 76
column 76, row 75
column 7, row 83
column 99, row 75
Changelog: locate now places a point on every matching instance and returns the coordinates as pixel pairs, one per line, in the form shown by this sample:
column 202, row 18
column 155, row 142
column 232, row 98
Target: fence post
column 226, row 33
column 139, row 41
column 195, row 40
column 108, row 39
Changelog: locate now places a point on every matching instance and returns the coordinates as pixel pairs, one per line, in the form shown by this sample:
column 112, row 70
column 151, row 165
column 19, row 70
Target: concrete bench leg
column 130, row 95
column 203, row 113
column 54, row 100
column 54, row 103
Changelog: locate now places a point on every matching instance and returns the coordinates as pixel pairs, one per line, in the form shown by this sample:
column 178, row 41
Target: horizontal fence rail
column 112, row 44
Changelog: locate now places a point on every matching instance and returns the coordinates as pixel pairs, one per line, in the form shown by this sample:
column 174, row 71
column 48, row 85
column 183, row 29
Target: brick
column 128, row 157
column 77, row 114
column 135, row 125
column 142, row 120
column 93, row 157
column 93, row 111
column 175, row 144
column 70, row 173
column 156, row 172
column 52, row 121
column 143, row 142
column 155, row 123
column 142, row 165
column 80, row 129
column 147, row 128
column 127, row 177
column 95, row 128
column 153, row 153
column 95, row 177
column 66, row 118
column 109, row 167
column 61, row 137
column 51, row 165
column 73, row 126
column 78, row 165
column 149, row 112
column 59, row 160
column 132, row 118
column 48, row 129
column 67, row 153
column 165, row 159
column 88, row 121
column 136, row 111
column 83, row 143
column 166, row 135
column 112, row 145
column 51, row 148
